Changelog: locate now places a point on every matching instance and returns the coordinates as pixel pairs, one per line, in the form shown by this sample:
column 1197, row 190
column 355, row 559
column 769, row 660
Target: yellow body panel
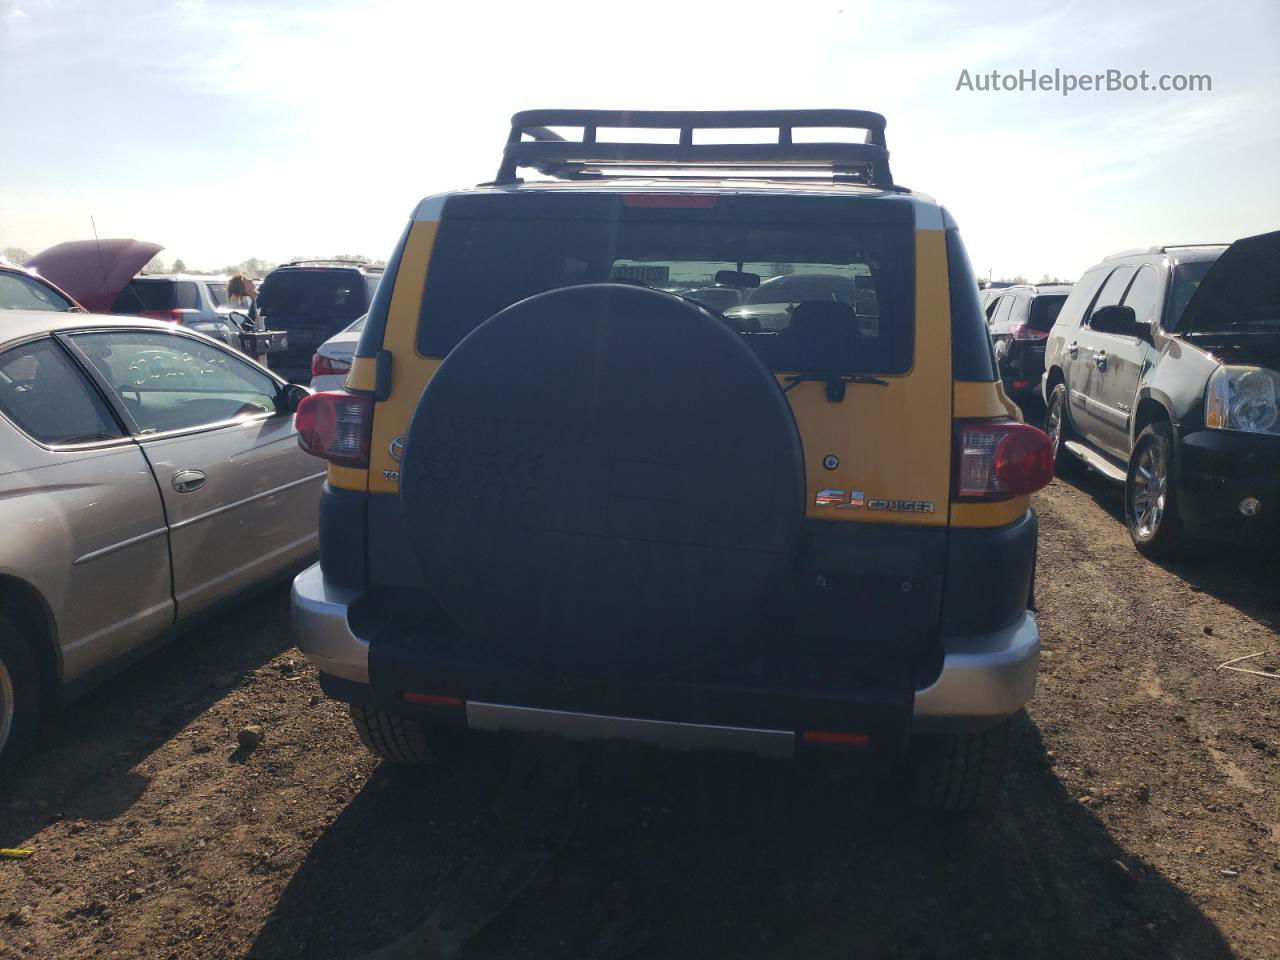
column 892, row 443
column 410, row 371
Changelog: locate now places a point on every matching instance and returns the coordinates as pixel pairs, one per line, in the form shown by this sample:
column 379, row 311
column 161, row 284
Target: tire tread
column 962, row 772
column 393, row 738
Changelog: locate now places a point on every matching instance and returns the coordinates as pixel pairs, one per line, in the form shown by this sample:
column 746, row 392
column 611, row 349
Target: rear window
column 1044, row 311
column 811, row 296
column 217, row 291
column 315, row 294
column 157, row 294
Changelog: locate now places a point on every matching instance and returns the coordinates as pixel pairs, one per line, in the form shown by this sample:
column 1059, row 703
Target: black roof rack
column 588, row 158
column 344, row 261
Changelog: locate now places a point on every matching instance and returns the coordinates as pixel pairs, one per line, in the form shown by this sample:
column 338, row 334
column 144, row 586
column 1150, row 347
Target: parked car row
column 102, row 276
column 1160, row 370
column 1162, row 373
column 773, row 508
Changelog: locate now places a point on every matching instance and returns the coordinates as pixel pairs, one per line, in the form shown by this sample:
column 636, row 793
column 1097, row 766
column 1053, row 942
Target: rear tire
column 397, row 739
column 1156, row 530
column 19, row 698
column 1057, row 424
column 960, row 772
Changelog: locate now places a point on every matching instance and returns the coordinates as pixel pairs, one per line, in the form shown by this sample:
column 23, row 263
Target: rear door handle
column 1073, row 350
column 188, row 481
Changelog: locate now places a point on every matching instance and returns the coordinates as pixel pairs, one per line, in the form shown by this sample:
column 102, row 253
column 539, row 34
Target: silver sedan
column 147, row 474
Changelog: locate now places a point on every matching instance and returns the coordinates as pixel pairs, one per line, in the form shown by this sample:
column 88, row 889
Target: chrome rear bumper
column 321, row 629
column 984, row 679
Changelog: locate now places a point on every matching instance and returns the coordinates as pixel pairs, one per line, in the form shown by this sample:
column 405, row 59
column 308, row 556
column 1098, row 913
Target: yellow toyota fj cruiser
column 690, row 443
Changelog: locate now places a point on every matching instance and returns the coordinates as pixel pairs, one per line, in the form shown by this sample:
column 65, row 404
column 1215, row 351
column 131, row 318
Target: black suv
column 1020, row 319
column 311, row 300
column 1163, row 373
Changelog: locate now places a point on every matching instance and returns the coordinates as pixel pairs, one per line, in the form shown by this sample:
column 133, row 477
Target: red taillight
column 322, row 366
column 670, row 201
column 335, row 425
column 1000, row 459
column 1024, row 331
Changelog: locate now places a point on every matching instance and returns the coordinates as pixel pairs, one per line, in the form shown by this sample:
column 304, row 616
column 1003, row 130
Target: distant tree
column 155, row 265
column 1016, row 278
column 179, row 266
column 1045, row 278
column 16, row 254
column 252, row 267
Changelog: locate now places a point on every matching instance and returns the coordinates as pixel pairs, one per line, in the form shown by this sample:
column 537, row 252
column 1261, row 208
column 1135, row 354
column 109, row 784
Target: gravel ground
column 1140, row 817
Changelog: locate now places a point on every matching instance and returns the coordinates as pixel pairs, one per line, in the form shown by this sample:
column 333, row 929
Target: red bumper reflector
column 1019, row 384
column 431, row 699
column 828, row 738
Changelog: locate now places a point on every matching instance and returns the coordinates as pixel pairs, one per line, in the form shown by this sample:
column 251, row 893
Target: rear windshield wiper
column 835, row 382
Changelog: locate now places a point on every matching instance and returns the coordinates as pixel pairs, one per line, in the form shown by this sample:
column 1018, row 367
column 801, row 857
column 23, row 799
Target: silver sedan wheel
column 7, row 704
column 1150, row 486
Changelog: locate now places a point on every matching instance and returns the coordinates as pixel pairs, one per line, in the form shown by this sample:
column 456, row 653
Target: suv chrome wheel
column 1151, row 496
column 1058, row 427
column 1150, row 485
column 1053, row 426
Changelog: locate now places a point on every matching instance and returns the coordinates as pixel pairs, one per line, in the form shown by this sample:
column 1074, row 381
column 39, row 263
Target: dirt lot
column 1141, row 815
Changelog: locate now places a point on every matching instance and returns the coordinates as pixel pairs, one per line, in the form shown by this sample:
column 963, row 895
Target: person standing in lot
column 242, row 295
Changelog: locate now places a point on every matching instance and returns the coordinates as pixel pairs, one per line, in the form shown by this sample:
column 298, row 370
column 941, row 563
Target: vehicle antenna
column 98, row 244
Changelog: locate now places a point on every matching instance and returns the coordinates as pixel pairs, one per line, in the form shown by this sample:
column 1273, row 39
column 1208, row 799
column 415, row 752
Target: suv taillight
column 335, row 426
column 1025, row 331
column 322, row 366
column 1000, row 459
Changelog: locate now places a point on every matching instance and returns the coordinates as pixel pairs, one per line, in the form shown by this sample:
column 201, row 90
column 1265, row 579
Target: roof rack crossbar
column 346, row 260
column 552, row 154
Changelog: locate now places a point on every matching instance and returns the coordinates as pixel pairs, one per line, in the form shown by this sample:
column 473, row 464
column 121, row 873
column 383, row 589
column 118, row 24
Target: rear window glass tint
column 1045, row 310
column 815, row 296
column 142, row 295
column 315, row 294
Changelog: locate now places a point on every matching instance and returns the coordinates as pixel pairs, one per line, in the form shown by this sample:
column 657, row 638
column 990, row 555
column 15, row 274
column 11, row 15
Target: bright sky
column 226, row 129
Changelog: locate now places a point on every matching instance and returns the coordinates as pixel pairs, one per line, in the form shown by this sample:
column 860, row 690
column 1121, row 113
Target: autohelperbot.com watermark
column 1065, row 82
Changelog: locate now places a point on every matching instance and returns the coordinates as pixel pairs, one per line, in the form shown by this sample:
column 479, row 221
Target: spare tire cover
column 603, row 474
